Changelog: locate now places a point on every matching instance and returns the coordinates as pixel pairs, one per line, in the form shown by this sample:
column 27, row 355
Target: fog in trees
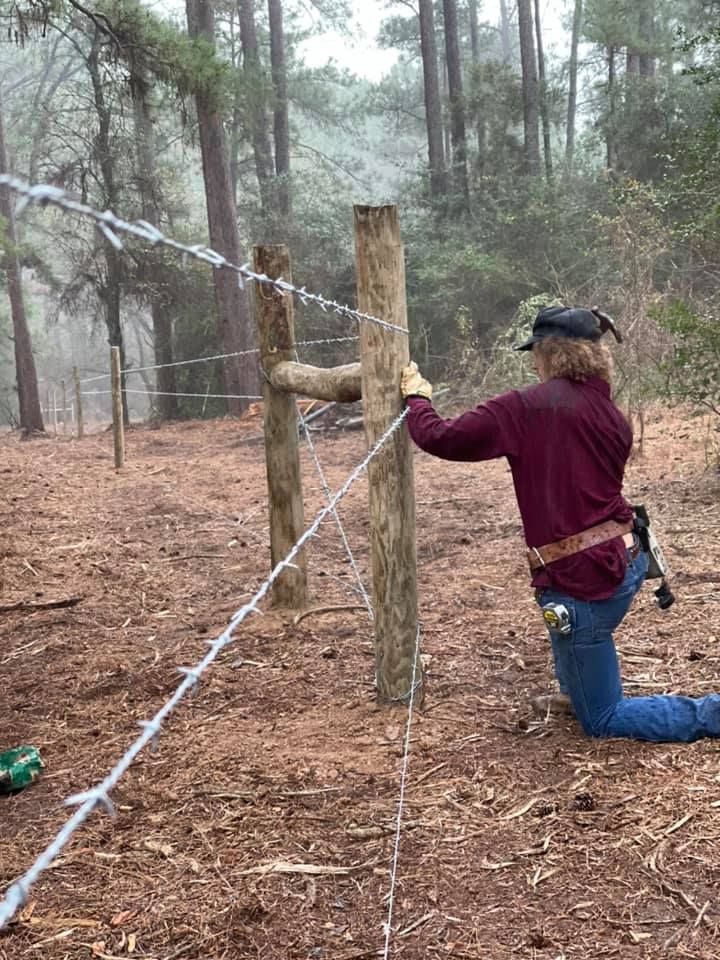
column 533, row 159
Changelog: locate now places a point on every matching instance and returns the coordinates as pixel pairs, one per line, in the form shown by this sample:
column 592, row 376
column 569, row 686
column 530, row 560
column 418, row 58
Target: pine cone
column 583, row 801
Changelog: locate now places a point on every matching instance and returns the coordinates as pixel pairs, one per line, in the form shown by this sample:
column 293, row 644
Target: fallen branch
column 194, row 556
column 39, row 604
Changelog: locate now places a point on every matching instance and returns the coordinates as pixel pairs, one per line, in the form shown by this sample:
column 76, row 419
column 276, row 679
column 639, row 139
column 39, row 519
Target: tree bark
column 238, row 114
column 281, row 119
column 646, row 25
column 30, row 412
column 505, row 32
column 457, row 103
column 255, row 99
column 109, row 286
column 240, row 374
column 445, row 113
column 610, row 145
column 530, row 94
column 167, row 406
column 544, row 109
column 480, row 130
column 433, row 107
column 572, row 88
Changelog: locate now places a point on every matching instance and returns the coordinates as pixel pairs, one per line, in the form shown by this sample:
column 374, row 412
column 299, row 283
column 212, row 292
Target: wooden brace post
column 341, row 384
column 383, row 353
column 274, row 313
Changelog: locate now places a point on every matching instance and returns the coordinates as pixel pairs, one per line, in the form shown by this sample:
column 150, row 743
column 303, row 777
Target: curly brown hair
column 574, row 359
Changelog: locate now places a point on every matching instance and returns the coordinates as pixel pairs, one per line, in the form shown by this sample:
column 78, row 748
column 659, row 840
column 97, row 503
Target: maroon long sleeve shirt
column 567, row 445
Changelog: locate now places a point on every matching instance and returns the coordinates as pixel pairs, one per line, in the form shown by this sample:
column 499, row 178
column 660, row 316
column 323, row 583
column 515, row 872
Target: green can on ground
column 19, row 768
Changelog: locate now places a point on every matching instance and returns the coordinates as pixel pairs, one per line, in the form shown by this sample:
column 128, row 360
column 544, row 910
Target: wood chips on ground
column 263, row 827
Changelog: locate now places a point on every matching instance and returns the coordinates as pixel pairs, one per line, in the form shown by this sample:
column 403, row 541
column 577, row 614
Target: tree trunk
column 255, row 100
column 457, row 104
column 445, row 114
column 281, row 120
column 238, row 114
column 28, row 398
column 167, row 406
column 108, row 287
column 480, row 131
column 240, row 374
column 505, row 32
column 646, row 25
column 572, row 88
column 529, row 89
column 544, row 109
column 474, row 31
column 433, row 106
column 610, row 125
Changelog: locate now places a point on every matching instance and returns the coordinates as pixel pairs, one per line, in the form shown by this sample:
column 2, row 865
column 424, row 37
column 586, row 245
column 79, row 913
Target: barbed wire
column 166, row 393
column 107, row 223
column 16, row 895
column 401, row 800
column 336, row 515
column 217, row 356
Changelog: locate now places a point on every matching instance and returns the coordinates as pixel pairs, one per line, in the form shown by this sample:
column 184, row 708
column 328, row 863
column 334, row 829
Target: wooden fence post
column 117, row 409
column 274, row 313
column 64, row 405
column 78, row 402
column 383, row 353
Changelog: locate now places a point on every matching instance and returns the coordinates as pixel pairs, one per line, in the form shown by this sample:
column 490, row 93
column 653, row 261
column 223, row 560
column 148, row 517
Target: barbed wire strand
column 217, row 356
column 401, row 800
column 16, row 895
column 165, row 393
column 336, row 515
column 108, row 223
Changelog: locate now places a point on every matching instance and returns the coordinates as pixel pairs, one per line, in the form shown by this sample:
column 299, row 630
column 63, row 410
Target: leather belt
column 539, row 557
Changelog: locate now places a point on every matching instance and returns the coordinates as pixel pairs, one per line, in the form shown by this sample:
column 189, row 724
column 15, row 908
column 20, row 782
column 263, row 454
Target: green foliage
column 693, row 371
column 147, row 43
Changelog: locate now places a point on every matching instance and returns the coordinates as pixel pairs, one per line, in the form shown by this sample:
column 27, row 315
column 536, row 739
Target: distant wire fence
column 218, row 356
column 110, row 225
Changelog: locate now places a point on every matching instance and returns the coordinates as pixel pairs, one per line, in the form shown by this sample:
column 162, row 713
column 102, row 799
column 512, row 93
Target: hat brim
column 529, row 344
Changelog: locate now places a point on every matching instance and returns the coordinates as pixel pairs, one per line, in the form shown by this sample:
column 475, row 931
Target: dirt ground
column 520, row 838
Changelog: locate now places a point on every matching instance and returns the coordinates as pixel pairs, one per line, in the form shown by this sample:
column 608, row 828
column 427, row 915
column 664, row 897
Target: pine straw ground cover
column 263, row 826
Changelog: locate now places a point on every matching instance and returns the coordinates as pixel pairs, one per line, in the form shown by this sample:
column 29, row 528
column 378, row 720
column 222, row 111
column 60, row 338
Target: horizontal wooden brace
column 341, row 384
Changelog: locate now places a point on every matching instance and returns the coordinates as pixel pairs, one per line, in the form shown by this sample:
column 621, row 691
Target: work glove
column 413, row 384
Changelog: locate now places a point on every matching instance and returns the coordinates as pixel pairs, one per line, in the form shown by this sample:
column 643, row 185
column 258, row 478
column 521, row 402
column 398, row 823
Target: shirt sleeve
column 489, row 431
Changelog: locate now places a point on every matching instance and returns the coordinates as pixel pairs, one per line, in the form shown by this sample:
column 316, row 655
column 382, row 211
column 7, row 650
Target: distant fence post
column 383, row 353
column 117, row 411
column 64, row 406
column 274, row 313
column 78, row 402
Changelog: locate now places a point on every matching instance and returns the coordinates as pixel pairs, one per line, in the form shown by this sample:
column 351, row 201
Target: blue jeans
column 587, row 670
